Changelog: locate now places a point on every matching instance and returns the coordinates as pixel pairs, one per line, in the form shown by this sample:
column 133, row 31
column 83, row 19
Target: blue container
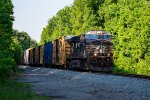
column 48, row 53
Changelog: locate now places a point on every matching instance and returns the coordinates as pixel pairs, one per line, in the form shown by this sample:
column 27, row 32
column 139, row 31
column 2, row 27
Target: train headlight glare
column 95, row 54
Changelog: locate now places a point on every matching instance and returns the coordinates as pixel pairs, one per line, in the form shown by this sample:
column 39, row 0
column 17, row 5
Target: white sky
column 32, row 16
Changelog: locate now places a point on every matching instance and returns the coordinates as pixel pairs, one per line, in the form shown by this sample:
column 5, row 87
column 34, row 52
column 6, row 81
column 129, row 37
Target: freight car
column 61, row 51
column 25, row 57
column 89, row 51
column 47, row 54
column 41, row 55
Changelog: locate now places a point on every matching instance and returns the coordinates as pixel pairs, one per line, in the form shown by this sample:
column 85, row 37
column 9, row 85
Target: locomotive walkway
column 72, row 85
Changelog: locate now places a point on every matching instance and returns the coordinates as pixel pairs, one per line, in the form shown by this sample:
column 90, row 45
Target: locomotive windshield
column 91, row 36
column 100, row 35
column 96, row 36
column 104, row 36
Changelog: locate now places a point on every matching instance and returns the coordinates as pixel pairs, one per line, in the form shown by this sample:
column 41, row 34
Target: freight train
column 89, row 51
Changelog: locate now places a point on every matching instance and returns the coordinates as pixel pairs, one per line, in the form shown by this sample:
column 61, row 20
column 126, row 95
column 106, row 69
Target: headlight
column 95, row 54
column 108, row 54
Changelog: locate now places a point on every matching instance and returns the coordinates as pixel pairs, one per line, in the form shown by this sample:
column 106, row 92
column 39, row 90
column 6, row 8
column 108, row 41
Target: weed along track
column 74, row 85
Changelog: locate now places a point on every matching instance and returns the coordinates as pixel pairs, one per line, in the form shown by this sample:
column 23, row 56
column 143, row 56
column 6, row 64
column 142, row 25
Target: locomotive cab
column 92, row 51
column 99, row 50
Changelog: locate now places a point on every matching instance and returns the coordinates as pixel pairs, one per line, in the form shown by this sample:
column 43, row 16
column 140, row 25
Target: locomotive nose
column 96, row 51
column 99, row 50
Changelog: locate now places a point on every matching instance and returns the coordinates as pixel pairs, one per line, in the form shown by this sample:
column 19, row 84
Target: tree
column 6, row 18
column 128, row 22
column 57, row 26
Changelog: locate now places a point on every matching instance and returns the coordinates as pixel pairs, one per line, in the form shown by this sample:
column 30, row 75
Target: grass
column 12, row 90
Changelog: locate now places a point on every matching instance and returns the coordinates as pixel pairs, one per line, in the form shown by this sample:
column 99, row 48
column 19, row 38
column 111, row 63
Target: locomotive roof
column 101, row 32
column 68, row 37
column 75, row 39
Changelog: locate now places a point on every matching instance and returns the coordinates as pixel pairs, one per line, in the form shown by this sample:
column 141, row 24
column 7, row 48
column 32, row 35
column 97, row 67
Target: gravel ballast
column 72, row 85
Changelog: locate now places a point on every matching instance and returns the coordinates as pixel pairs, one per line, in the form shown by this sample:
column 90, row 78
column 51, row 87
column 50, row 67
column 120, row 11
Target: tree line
column 127, row 20
column 22, row 41
column 12, row 42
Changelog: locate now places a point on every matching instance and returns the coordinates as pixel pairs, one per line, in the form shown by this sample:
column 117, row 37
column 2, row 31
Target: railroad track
column 124, row 74
column 108, row 73
column 132, row 75
column 118, row 74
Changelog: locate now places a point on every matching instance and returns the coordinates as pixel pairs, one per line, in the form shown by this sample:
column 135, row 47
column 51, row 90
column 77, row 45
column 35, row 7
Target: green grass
column 12, row 90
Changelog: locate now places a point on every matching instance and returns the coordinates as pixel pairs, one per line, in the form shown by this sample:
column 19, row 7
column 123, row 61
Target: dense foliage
column 6, row 19
column 127, row 20
column 12, row 42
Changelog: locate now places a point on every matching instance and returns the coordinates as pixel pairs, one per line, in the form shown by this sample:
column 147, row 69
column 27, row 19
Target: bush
column 7, row 65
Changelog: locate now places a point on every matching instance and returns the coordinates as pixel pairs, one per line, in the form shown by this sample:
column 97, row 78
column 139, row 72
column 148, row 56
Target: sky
column 32, row 16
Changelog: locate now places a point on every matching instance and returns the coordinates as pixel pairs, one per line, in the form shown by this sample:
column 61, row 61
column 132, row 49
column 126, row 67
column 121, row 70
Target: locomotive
column 89, row 51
